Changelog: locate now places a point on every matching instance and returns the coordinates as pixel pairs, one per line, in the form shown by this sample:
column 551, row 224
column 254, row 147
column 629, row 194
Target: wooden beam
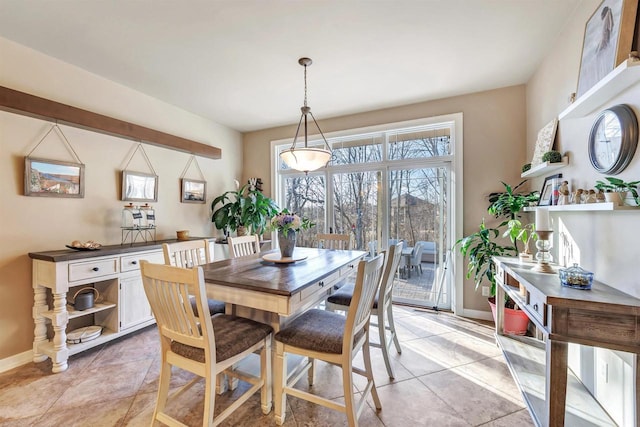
column 34, row 106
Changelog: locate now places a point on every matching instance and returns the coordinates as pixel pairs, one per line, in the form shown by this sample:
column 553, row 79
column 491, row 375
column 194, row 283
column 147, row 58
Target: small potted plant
column 287, row 224
column 615, row 190
column 552, row 157
column 516, row 231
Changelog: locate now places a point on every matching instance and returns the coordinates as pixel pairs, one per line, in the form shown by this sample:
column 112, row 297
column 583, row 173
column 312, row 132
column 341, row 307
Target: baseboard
column 16, row 360
column 476, row 314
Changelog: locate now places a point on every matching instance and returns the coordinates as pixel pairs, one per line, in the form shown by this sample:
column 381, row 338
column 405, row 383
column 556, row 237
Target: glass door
column 419, row 217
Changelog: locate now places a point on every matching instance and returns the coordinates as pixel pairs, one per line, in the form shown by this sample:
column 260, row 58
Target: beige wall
column 31, row 224
column 494, row 148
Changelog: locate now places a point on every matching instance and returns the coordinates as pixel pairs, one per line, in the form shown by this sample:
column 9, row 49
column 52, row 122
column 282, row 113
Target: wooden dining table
column 276, row 292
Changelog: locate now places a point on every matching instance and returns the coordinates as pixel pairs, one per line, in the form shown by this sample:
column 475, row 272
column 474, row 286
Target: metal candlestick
column 543, row 244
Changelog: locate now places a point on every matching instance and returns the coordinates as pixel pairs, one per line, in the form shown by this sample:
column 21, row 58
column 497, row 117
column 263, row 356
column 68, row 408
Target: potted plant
column 552, row 157
column 243, row 210
column 480, row 247
column 287, row 225
column 615, row 190
column 516, row 231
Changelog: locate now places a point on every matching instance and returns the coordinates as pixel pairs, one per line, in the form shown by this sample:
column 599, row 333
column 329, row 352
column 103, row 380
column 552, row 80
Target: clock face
column 607, row 140
column 613, row 139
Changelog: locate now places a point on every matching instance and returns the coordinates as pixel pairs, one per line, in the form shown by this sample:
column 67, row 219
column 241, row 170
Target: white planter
column 616, row 197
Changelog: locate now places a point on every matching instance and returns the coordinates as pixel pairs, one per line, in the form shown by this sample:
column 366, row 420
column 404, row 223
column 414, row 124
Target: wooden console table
column 600, row 317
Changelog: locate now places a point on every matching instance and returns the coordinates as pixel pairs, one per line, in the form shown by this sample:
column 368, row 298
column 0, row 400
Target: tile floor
column 450, row 373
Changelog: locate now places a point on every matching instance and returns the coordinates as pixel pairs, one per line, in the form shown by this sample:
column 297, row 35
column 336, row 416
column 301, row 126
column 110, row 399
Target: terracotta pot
column 515, row 321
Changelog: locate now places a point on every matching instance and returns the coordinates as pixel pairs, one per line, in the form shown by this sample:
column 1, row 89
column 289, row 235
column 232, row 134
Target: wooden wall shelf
column 544, row 168
column 34, row 106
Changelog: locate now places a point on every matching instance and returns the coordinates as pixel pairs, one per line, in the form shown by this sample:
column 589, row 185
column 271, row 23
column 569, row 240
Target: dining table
column 275, row 292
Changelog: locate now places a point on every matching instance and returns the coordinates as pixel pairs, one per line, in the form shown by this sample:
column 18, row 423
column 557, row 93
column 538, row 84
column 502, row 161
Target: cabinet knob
column 96, row 269
column 535, row 307
column 134, row 262
column 321, row 284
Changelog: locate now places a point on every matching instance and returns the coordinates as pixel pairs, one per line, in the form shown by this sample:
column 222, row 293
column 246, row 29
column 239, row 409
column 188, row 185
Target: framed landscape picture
column 608, row 40
column 139, row 187
column 53, row 178
column 549, row 193
column 193, row 191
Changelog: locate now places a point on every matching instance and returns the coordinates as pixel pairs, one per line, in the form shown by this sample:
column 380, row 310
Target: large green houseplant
column 480, row 247
column 244, row 210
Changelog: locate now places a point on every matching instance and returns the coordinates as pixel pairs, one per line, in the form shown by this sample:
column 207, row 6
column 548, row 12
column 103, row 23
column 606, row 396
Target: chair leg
column 266, row 397
column 280, row 378
column 163, row 386
column 221, row 383
column 384, row 345
column 209, row 400
column 347, row 383
column 311, row 373
column 392, row 327
column 366, row 354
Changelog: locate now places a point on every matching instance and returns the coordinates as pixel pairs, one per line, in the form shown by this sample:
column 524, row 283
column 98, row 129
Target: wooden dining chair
column 201, row 344
column 333, row 338
column 334, row 241
column 382, row 305
column 188, row 254
column 243, row 245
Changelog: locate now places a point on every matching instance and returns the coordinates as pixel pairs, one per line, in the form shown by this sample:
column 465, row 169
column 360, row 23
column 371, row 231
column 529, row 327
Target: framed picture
column 53, row 178
column 550, row 190
column 193, row 191
column 139, row 187
column 608, row 40
column 544, row 143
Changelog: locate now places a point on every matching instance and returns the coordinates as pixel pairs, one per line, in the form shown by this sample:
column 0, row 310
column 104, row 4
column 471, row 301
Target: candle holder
column 543, row 244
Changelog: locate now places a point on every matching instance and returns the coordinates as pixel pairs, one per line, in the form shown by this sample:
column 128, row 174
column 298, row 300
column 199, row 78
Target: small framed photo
column 139, row 187
column 550, row 190
column 193, row 191
column 53, row 178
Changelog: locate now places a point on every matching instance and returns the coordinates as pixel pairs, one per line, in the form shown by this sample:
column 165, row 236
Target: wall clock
column 613, row 139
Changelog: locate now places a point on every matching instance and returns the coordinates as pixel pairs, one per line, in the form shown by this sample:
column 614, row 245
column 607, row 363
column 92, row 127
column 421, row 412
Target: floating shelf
column 585, row 207
column 544, row 168
column 622, row 77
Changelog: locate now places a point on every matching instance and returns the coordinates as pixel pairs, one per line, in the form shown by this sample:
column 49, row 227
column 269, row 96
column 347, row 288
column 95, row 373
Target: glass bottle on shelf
column 148, row 215
column 131, row 216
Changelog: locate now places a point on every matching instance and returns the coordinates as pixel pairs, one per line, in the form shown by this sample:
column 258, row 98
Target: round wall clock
column 613, row 139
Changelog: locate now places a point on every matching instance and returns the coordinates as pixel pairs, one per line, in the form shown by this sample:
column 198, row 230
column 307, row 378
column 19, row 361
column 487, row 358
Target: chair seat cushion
column 344, row 295
column 233, row 335
column 316, row 330
column 215, row 306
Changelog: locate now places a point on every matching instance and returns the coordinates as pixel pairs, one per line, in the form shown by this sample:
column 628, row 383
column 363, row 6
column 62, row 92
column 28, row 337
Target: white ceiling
column 235, row 61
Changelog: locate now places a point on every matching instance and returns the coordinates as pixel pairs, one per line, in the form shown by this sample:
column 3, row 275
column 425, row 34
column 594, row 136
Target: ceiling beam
column 34, row 106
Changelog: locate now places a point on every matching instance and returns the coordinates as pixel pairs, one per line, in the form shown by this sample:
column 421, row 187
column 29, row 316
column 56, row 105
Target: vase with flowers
column 287, row 224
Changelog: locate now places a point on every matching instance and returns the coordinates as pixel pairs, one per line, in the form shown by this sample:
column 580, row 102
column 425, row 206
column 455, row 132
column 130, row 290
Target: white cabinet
column 114, row 271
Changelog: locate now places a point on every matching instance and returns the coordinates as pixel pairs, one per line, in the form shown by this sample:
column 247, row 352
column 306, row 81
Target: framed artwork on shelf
column 544, row 142
column 193, row 191
column 53, row 178
column 608, row 40
column 139, row 187
column 550, row 190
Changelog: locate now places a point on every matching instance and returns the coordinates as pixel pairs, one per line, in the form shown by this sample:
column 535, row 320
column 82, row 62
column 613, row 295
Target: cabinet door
column 134, row 306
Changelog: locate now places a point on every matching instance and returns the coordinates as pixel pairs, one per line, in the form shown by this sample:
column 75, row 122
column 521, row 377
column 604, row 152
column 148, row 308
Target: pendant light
column 306, row 159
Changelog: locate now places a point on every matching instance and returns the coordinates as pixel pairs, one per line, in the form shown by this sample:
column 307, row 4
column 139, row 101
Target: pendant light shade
column 306, row 159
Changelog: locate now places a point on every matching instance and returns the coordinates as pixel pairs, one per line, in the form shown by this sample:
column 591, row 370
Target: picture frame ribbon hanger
column 194, row 160
column 62, row 137
column 140, row 148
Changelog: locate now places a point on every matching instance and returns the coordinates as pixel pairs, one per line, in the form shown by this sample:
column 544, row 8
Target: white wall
column 605, row 243
column 30, row 224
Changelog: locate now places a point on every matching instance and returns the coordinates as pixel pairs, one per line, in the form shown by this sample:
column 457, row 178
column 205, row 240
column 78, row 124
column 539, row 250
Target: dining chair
column 382, row 305
column 334, row 241
column 243, row 245
column 333, row 338
column 188, row 254
column 416, row 258
column 201, row 344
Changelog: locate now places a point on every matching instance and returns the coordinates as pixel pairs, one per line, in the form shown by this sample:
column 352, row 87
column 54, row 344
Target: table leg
column 556, row 382
column 40, row 322
column 59, row 322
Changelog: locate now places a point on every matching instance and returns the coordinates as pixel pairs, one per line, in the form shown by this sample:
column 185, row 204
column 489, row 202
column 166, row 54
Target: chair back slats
column 187, row 254
column 334, row 241
column 168, row 289
column 243, row 245
column 366, row 287
column 392, row 261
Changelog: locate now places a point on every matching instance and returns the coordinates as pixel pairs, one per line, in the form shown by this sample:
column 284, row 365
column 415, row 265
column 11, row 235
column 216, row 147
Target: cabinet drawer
column 536, row 305
column 92, row 269
column 132, row 262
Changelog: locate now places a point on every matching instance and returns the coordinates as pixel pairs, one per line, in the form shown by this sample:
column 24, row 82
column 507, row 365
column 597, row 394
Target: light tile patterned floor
column 450, row 373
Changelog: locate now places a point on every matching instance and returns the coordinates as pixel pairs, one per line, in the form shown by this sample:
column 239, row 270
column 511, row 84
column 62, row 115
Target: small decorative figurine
column 577, row 196
column 563, row 193
column 591, row 196
column 600, row 196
